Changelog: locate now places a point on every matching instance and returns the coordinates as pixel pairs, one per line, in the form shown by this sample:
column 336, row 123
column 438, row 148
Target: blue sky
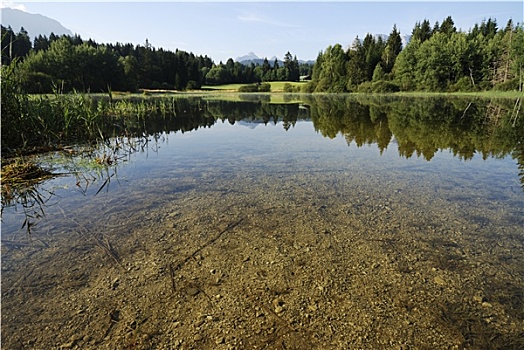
column 231, row 29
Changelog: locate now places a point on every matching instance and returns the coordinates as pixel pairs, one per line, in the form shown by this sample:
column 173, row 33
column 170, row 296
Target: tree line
column 236, row 72
column 70, row 63
column 437, row 58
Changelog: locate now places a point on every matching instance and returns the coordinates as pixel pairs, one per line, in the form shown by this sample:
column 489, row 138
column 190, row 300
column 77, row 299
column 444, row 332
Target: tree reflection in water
column 418, row 126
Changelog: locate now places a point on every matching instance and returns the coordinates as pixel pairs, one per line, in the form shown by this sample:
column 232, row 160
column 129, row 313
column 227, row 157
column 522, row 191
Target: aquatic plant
column 13, row 106
column 20, row 180
column 52, row 121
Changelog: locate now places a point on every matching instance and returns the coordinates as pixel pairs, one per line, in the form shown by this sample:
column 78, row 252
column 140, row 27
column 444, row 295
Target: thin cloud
column 12, row 5
column 251, row 18
column 254, row 18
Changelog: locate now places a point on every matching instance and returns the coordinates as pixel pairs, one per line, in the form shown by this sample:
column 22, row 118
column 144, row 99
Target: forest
column 71, row 63
column 437, row 58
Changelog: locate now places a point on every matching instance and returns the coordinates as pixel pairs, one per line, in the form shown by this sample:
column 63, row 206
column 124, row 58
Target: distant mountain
column 308, row 61
column 253, row 58
column 34, row 24
column 251, row 124
column 249, row 57
column 405, row 40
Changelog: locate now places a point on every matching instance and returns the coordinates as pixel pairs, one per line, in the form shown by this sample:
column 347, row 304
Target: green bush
column 291, row 88
column 192, row 85
column 37, row 83
column 380, row 86
column 155, row 85
column 463, row 84
column 366, row 87
column 248, row 88
column 309, row 88
column 264, row 87
column 166, row 86
column 509, row 85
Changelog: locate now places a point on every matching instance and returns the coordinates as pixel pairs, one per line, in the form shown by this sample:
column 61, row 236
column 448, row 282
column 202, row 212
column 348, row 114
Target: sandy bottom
column 296, row 260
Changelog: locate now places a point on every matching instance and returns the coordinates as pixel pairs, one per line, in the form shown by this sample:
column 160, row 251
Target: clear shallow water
column 445, row 236
column 250, row 151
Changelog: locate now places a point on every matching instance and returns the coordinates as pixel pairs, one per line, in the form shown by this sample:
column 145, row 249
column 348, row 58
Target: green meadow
column 276, row 86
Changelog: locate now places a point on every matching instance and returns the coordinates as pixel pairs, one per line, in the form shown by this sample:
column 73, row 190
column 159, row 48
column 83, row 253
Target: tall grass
column 42, row 122
column 13, row 106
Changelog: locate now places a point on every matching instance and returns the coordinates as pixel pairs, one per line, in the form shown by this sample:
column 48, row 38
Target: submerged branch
column 208, row 243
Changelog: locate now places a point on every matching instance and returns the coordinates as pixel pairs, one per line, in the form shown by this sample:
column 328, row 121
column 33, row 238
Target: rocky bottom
column 290, row 262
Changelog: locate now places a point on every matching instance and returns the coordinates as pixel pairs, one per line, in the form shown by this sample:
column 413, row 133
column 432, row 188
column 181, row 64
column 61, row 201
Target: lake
column 326, row 222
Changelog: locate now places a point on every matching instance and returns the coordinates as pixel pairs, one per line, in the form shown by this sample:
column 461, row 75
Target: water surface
column 327, row 223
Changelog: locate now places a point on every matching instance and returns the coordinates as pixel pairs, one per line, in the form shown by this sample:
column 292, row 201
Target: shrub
column 192, row 85
column 248, row 88
column 380, row 86
column 291, row 88
column 463, row 84
column 37, row 83
column 365, row 87
column 512, row 84
column 309, row 87
column 155, row 85
column 264, row 87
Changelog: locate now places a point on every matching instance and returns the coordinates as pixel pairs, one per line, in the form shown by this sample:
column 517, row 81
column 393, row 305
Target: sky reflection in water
column 391, row 143
column 406, row 221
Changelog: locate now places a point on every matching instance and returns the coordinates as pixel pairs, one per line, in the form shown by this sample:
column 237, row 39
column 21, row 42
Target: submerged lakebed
column 329, row 223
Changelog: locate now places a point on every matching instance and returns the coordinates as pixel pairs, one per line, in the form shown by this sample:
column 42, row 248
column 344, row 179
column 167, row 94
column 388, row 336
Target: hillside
column 34, row 24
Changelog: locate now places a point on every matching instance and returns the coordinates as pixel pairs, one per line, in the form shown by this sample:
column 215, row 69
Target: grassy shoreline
column 277, row 88
column 57, row 122
column 58, row 119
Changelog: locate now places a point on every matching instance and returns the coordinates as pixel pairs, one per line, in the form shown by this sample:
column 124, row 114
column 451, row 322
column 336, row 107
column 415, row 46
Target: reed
column 51, row 121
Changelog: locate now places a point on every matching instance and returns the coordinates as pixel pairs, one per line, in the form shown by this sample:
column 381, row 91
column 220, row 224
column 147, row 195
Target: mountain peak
column 34, row 24
column 249, row 57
